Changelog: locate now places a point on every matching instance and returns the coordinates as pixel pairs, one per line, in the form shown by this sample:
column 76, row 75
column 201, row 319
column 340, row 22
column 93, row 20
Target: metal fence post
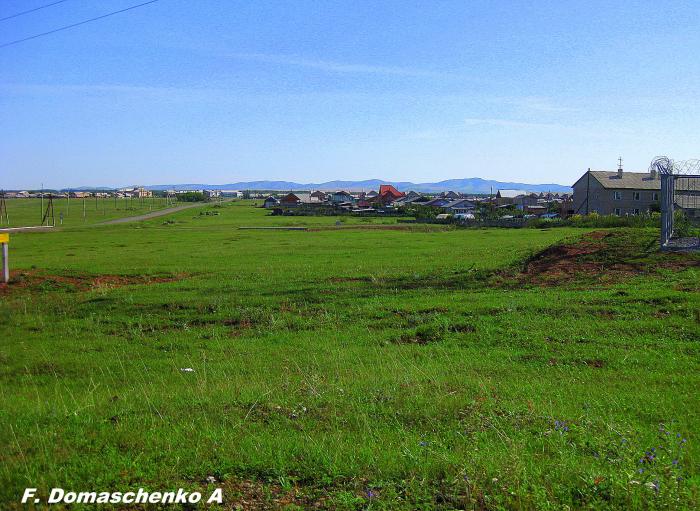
column 5, row 263
column 666, row 208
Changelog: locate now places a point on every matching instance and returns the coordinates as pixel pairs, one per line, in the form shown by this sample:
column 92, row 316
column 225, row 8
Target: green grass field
column 369, row 365
column 30, row 212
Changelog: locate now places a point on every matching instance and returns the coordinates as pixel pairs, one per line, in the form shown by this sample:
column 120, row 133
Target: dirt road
column 154, row 214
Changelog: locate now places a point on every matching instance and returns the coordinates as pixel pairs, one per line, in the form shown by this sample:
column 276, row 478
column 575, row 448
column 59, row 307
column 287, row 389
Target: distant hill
column 468, row 185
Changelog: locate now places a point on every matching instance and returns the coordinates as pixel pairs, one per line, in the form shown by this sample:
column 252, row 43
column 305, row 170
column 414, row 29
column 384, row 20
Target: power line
column 76, row 24
column 32, row 10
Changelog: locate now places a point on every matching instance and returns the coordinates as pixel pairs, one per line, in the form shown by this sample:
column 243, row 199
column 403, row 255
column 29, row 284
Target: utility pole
column 48, row 214
column 3, row 209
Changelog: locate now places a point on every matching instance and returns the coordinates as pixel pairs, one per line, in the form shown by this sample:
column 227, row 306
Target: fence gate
column 680, row 189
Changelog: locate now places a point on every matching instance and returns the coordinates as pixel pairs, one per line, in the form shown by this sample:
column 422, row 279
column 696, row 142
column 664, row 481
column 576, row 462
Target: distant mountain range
column 469, row 185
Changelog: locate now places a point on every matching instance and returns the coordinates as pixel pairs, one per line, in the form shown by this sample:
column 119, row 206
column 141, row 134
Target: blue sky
column 224, row 91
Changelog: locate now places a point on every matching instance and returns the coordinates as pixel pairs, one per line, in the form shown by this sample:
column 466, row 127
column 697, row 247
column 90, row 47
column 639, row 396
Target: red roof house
column 388, row 189
column 388, row 194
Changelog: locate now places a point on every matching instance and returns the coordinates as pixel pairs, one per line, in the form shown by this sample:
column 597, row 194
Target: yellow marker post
column 5, row 241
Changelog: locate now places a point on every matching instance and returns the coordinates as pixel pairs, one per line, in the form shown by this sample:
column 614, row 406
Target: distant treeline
column 191, row 197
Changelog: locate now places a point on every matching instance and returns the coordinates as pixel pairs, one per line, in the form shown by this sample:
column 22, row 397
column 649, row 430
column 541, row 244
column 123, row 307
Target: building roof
column 388, row 189
column 422, row 199
column 290, row 197
column 628, row 180
column 511, row 194
column 440, row 201
column 460, row 203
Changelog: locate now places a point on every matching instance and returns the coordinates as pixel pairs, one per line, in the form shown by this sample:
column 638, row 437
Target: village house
column 318, row 196
column 409, row 198
column 340, row 197
column 79, row 195
column 271, row 202
column 388, row 194
column 136, row 191
column 438, row 203
column 522, row 202
column 616, row 193
column 505, row 197
column 291, row 200
column 459, row 207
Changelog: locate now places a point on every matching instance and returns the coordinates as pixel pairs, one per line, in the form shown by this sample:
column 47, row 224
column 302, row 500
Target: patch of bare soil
column 565, row 261
column 38, row 280
column 600, row 255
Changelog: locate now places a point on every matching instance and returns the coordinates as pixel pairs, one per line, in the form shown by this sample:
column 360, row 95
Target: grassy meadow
column 77, row 212
column 367, row 365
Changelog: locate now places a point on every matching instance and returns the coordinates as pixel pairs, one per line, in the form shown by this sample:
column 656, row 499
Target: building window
column 655, row 196
column 618, row 211
column 617, row 195
column 635, row 195
column 636, row 211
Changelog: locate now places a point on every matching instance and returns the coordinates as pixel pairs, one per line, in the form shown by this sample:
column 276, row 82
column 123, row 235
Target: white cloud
column 535, row 104
column 332, row 66
column 508, row 123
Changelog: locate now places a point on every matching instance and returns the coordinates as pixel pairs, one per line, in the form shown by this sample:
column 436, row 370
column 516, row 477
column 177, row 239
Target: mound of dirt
column 38, row 281
column 602, row 255
column 565, row 261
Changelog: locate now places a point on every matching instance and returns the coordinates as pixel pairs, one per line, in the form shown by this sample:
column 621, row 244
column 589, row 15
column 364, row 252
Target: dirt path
column 154, row 214
column 33, row 228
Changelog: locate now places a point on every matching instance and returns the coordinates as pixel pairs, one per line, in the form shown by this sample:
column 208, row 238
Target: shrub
column 190, row 197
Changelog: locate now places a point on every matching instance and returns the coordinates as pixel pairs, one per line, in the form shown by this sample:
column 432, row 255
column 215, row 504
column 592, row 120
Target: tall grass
column 395, row 369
